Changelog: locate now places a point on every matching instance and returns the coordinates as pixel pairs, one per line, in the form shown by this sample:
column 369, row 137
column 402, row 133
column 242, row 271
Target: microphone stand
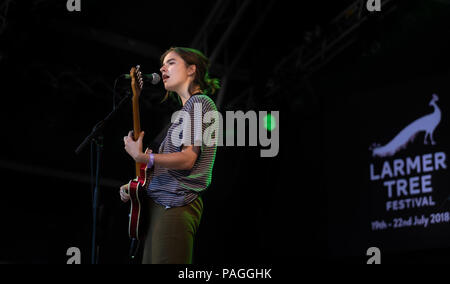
column 96, row 137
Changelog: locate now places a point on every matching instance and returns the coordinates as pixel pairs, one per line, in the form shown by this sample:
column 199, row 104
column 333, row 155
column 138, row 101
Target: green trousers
column 171, row 232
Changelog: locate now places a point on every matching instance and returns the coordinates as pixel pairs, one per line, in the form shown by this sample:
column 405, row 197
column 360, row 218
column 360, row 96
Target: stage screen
column 407, row 164
column 390, row 168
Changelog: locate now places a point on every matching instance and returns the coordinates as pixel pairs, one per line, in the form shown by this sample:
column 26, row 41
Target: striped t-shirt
column 173, row 188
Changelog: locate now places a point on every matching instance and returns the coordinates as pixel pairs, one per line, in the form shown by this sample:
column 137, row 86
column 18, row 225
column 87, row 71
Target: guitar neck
column 136, row 127
column 136, row 86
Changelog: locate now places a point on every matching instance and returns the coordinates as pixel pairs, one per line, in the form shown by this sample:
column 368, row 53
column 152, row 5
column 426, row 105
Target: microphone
column 153, row 78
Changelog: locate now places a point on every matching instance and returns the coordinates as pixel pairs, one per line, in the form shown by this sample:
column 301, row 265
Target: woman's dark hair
column 195, row 57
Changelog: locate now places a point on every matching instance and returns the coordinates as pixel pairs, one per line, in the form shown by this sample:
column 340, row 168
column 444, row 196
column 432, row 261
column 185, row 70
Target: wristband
column 151, row 161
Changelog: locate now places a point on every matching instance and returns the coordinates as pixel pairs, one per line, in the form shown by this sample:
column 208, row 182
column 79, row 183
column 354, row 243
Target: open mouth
column 165, row 77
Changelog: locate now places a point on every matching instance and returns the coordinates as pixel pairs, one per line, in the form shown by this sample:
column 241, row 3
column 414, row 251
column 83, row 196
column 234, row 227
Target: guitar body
column 138, row 213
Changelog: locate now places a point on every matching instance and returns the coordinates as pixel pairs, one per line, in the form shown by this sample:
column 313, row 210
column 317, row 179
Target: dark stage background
column 340, row 77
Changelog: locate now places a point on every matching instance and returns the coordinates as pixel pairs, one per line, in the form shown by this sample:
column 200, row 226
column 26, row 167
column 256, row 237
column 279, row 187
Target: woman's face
column 175, row 74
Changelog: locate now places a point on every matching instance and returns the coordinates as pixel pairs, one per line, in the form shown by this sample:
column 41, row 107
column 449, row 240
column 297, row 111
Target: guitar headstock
column 137, row 81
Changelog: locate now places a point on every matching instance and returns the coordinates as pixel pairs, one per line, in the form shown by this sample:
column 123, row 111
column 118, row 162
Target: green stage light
column 269, row 122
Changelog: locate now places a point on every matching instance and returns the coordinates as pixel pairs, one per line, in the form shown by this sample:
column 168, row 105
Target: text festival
column 414, row 191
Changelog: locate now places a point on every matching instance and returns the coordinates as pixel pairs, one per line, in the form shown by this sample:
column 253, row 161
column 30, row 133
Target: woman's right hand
column 124, row 196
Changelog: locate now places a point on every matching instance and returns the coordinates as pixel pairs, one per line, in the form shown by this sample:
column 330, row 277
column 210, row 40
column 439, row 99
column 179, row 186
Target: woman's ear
column 191, row 69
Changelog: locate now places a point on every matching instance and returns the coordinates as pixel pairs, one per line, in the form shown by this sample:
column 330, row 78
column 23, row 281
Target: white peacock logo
column 427, row 123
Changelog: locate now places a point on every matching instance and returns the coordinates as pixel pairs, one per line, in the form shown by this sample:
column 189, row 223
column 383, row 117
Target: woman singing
column 182, row 170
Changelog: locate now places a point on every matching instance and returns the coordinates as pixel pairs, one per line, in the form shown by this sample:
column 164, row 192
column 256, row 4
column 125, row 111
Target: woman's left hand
column 133, row 148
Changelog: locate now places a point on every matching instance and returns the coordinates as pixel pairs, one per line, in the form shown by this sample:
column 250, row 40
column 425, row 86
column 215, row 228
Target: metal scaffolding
column 222, row 52
column 321, row 45
column 4, row 6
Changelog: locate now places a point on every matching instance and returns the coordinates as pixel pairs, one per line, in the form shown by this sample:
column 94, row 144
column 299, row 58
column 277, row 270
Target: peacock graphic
column 427, row 123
